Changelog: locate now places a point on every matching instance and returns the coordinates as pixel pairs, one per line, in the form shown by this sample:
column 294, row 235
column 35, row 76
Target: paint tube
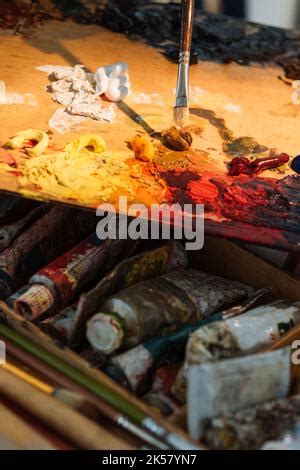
column 224, row 387
column 160, row 396
column 174, row 299
column 61, row 326
column 95, row 358
column 290, row 440
column 10, row 301
column 160, row 402
column 55, row 285
column 238, row 336
column 251, row 427
column 69, row 324
column 15, row 216
column 133, row 368
column 44, row 240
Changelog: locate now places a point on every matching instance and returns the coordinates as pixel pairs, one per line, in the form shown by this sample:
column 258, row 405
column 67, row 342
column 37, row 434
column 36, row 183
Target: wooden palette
column 252, row 101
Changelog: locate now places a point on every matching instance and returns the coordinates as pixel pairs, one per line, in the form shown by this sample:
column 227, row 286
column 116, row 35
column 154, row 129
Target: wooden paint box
column 220, row 257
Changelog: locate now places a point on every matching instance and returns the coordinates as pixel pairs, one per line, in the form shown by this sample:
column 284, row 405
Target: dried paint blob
column 61, row 121
column 75, row 88
column 144, row 98
column 113, row 81
column 239, row 166
column 16, row 98
column 243, row 166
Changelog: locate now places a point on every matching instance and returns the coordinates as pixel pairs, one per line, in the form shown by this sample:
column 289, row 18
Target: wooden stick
column 30, row 338
column 29, row 378
column 78, row 429
column 286, row 340
column 283, row 342
column 69, row 397
column 15, row 434
column 104, row 408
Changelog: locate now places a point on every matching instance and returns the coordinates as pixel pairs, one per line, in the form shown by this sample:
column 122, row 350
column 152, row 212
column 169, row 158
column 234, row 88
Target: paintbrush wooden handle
column 188, row 7
column 16, row 434
column 78, row 429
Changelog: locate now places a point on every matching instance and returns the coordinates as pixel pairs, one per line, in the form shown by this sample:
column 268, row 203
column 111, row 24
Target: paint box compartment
column 219, row 256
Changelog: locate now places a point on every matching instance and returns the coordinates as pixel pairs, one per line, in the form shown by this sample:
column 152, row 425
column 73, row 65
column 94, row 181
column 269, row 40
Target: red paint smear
column 9, row 160
column 165, row 377
column 16, row 173
column 248, row 207
column 203, row 191
column 30, row 143
column 103, row 97
column 239, row 193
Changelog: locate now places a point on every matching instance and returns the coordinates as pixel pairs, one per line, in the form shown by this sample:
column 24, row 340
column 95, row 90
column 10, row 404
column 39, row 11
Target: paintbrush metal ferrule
column 182, row 90
column 98, row 388
column 181, row 110
column 175, row 441
column 62, row 381
column 142, row 434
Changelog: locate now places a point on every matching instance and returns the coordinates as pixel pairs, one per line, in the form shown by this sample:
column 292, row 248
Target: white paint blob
column 15, row 98
column 152, row 98
column 75, row 88
column 233, row 108
column 62, row 121
column 113, row 81
column 54, row 68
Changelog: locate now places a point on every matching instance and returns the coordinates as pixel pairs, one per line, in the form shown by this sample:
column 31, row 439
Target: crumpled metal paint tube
column 251, row 427
column 290, row 440
column 17, row 214
column 243, row 166
column 55, row 285
column 44, row 240
column 238, row 336
column 160, row 396
column 224, row 387
column 133, row 368
column 174, row 299
column 69, row 324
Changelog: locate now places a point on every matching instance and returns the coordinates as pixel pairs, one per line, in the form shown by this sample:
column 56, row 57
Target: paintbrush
column 102, row 390
column 16, row 434
column 181, row 109
column 61, row 380
column 70, row 398
column 67, row 422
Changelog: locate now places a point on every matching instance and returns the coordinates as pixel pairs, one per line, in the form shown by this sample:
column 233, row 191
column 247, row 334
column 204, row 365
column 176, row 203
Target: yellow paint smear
column 82, row 175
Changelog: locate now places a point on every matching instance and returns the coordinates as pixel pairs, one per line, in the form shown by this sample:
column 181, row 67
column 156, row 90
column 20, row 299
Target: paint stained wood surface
column 227, row 102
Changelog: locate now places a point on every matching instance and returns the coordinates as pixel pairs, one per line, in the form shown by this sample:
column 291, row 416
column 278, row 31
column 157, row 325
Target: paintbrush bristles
column 181, row 115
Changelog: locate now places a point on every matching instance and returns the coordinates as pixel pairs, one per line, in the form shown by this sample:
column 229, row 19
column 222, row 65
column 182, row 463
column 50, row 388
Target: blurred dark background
column 157, row 22
column 229, row 7
column 283, row 13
